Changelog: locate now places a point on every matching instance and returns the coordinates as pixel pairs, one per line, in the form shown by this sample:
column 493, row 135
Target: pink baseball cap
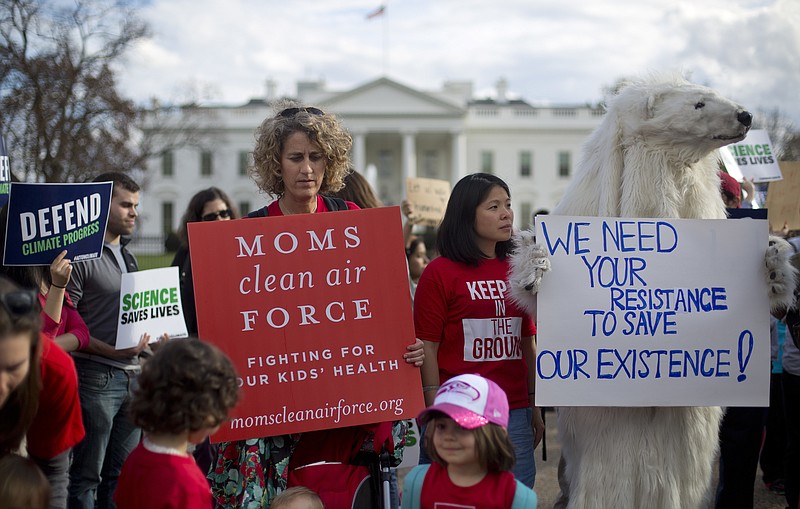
column 470, row 400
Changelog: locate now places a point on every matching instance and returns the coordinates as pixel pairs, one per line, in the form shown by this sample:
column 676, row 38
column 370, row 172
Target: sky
column 551, row 52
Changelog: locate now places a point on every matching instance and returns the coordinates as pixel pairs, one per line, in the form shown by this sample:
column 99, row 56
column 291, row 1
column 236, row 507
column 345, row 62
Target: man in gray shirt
column 106, row 376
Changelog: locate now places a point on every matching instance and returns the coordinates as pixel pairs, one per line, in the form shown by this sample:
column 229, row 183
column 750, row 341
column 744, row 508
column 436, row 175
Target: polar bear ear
column 650, row 110
column 605, row 151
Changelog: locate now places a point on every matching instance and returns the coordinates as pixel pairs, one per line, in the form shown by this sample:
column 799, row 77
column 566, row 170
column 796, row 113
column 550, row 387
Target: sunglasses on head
column 291, row 112
column 212, row 216
column 19, row 302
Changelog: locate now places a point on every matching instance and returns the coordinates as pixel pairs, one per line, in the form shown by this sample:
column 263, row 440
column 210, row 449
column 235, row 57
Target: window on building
column 526, row 217
column 430, row 164
column 206, row 166
column 525, row 163
column 487, row 161
column 244, row 162
column 564, row 165
column 385, row 164
column 167, row 163
column 167, row 224
column 244, row 208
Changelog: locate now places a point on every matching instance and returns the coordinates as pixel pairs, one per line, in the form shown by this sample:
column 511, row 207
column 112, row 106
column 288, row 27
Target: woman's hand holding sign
column 60, row 270
column 415, row 354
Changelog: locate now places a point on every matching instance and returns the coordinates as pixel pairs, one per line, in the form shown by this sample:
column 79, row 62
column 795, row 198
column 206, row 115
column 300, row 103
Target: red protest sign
column 315, row 312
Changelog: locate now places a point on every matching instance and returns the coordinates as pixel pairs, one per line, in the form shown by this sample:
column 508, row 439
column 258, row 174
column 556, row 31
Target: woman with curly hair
column 301, row 157
column 185, row 392
column 301, row 152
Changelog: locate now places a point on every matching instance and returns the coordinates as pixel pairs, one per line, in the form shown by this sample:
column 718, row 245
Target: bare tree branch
column 61, row 113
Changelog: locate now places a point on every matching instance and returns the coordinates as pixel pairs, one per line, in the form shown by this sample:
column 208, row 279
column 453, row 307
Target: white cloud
column 561, row 52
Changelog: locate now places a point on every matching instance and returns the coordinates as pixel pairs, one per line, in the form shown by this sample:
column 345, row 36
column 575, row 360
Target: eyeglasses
column 19, row 303
column 291, row 112
column 212, row 216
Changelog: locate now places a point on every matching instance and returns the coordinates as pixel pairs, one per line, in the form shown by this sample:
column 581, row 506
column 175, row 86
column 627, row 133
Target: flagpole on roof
column 381, row 12
column 385, row 30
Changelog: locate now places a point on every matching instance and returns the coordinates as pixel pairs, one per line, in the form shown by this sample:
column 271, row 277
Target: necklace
column 160, row 449
column 287, row 212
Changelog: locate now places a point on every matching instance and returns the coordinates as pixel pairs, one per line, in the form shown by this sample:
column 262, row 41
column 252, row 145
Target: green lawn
column 154, row 261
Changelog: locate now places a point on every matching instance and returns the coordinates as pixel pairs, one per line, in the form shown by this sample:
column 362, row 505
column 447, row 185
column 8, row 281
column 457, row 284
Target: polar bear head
column 684, row 120
column 655, row 152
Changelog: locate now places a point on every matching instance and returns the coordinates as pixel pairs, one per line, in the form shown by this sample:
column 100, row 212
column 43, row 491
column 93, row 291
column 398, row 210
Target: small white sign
column 653, row 312
column 752, row 157
column 428, row 198
column 150, row 302
column 413, row 444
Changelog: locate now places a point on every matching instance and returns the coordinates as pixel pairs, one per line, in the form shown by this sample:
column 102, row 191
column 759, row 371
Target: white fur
column 654, row 155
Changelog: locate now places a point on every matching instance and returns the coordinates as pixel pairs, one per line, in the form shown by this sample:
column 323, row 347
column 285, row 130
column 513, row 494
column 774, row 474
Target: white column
column 360, row 152
column 459, row 157
column 409, row 156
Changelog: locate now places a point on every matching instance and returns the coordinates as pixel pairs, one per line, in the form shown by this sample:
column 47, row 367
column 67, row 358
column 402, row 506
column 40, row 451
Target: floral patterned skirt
column 248, row 474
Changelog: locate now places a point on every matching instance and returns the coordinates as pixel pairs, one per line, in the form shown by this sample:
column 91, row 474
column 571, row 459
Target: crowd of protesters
column 84, row 424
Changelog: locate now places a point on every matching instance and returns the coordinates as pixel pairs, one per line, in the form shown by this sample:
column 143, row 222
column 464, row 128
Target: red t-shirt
column 58, row 424
column 71, row 321
column 274, row 208
column 151, row 480
column 464, row 309
column 495, row 491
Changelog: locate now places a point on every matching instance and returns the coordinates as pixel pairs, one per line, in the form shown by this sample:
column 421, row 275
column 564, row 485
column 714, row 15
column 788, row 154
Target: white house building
column 402, row 131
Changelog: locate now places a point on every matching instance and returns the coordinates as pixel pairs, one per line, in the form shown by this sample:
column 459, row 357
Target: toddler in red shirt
column 185, row 392
column 467, row 439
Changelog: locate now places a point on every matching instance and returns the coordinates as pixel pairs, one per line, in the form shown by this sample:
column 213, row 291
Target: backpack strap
column 333, row 204
column 524, row 497
column 262, row 212
column 412, row 487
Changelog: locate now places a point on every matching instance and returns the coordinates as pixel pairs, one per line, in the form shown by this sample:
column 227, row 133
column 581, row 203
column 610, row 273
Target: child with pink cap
column 472, row 455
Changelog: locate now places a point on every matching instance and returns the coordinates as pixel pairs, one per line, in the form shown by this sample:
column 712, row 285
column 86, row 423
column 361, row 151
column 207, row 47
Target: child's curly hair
column 323, row 129
column 187, row 385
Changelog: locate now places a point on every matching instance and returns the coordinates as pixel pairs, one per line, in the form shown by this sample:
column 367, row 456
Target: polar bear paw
column 781, row 275
column 528, row 263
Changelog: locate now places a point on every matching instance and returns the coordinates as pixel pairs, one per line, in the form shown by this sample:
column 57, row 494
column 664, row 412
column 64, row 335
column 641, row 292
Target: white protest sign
column 653, row 312
column 413, row 443
column 428, row 199
column 150, row 302
column 752, row 157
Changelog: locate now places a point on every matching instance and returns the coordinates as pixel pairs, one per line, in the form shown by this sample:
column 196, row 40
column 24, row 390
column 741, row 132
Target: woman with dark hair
column 210, row 204
column 58, row 424
column 417, row 258
column 357, row 190
column 20, row 349
column 463, row 318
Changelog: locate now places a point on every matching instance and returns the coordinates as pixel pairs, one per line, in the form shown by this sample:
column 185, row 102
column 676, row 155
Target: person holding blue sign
column 107, row 376
column 463, row 318
column 61, row 320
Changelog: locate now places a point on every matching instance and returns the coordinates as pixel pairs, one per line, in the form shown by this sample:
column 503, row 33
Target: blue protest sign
column 5, row 173
column 45, row 219
column 747, row 213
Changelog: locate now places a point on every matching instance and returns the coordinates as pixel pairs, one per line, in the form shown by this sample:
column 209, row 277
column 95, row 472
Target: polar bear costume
column 654, row 155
